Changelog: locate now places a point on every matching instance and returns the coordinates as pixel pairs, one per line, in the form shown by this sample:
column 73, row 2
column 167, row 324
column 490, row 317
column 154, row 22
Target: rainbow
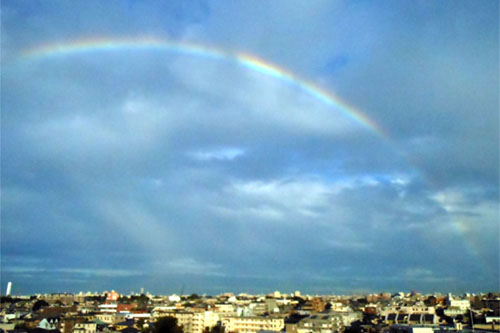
column 253, row 63
column 249, row 61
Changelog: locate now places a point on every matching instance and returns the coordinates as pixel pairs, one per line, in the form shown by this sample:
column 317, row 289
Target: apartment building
column 110, row 318
column 85, row 327
column 252, row 324
column 191, row 321
column 321, row 323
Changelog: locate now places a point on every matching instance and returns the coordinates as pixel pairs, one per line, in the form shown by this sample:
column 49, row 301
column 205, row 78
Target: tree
column 431, row 301
column 123, row 300
column 6, row 299
column 140, row 324
column 167, row 325
column 217, row 329
column 142, row 301
column 300, row 301
column 39, row 304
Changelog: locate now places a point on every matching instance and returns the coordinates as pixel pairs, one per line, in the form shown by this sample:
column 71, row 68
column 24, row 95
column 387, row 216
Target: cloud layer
column 138, row 168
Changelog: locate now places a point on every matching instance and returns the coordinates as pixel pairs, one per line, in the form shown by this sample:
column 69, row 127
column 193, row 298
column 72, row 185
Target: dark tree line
column 170, row 325
column 164, row 325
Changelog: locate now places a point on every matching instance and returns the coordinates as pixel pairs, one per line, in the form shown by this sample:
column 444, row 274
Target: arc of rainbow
column 249, row 61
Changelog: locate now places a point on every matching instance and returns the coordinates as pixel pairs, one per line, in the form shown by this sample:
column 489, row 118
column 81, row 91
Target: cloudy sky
column 250, row 146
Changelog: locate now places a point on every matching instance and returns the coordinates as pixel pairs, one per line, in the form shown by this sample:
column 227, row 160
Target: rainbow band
column 251, row 62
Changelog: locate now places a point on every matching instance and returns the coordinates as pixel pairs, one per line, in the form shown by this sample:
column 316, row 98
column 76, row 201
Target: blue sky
column 134, row 168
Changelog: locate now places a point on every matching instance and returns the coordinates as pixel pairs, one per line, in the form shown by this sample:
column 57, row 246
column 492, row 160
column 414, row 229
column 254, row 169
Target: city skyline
column 183, row 293
column 293, row 313
column 327, row 146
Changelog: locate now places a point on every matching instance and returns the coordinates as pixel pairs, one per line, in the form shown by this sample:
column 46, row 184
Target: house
column 320, row 323
column 50, row 323
column 130, row 330
column 85, row 327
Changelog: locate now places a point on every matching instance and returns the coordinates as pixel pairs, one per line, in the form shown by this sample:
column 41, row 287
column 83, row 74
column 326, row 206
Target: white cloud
column 450, row 200
column 423, row 275
column 92, row 272
column 348, row 244
column 73, row 132
column 262, row 212
column 219, row 154
column 276, row 199
column 103, row 272
column 141, row 225
column 189, row 266
column 418, row 272
column 267, row 102
column 466, row 212
column 292, row 193
column 312, row 199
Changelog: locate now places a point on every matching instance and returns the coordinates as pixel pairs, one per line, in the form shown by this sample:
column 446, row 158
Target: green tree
column 167, row 325
column 142, row 301
column 140, row 324
column 217, row 329
column 431, row 301
column 123, row 300
column 300, row 300
column 39, row 304
column 6, row 299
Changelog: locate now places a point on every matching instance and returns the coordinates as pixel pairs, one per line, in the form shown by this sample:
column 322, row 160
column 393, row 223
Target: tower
column 9, row 289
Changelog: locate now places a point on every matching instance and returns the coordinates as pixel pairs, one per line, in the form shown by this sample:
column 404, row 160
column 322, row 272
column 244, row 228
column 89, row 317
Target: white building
column 410, row 329
column 85, row 327
column 174, row 298
column 48, row 323
column 191, row 321
column 462, row 304
column 320, row 323
column 225, row 308
column 252, row 324
column 109, row 308
column 145, row 316
column 109, row 318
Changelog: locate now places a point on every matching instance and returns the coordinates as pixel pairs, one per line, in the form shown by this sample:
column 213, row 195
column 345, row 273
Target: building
column 108, row 308
column 202, row 320
column 321, row 323
column 49, row 323
column 191, row 321
column 110, row 318
column 411, row 319
column 462, row 304
column 252, row 324
column 224, row 308
column 112, row 297
column 410, row 329
column 85, row 327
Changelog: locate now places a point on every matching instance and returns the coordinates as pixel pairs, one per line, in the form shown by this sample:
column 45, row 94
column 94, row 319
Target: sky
column 250, row 146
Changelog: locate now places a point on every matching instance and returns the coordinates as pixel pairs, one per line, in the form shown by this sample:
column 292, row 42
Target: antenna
column 182, row 289
column 9, row 289
column 471, row 319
